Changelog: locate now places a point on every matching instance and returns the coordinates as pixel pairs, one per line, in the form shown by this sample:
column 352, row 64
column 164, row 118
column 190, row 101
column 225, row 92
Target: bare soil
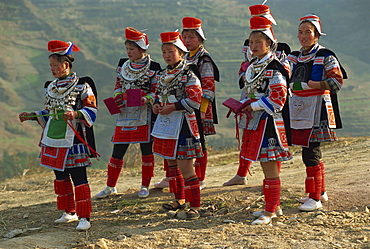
column 27, row 207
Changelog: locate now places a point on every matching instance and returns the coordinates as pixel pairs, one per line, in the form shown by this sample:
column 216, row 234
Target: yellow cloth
column 192, row 53
column 204, row 105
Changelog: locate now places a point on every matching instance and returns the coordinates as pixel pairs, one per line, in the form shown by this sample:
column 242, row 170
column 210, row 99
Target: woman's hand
column 144, row 100
column 314, row 84
column 22, row 118
column 202, row 116
column 119, row 99
column 248, row 108
column 167, row 109
column 70, row 115
column 156, row 108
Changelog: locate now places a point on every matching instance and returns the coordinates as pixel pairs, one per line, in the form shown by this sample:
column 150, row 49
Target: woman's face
column 133, row 52
column 171, row 55
column 306, row 35
column 258, row 44
column 58, row 69
column 191, row 40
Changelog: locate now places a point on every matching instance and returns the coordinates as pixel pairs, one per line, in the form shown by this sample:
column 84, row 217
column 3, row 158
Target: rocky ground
column 28, row 209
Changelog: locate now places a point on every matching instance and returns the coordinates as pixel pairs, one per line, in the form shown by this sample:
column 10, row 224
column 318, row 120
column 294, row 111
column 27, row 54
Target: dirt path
column 125, row 221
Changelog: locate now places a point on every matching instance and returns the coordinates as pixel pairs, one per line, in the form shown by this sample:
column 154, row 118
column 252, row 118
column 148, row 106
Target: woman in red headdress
column 281, row 53
column 194, row 37
column 68, row 141
column 316, row 78
column 135, row 81
column 176, row 130
column 264, row 138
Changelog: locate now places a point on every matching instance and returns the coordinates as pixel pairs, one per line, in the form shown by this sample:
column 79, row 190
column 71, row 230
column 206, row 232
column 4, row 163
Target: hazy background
column 97, row 27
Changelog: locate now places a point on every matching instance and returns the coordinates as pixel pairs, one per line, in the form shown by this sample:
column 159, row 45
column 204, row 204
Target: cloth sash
column 127, row 135
column 54, row 158
column 252, row 141
column 281, row 133
column 301, row 137
column 166, row 148
column 57, row 133
column 133, row 116
column 302, row 111
column 310, row 92
column 168, row 126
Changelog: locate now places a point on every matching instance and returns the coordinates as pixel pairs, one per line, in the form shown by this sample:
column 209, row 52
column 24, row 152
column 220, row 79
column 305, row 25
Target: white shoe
column 83, row 225
column 67, row 218
column 310, row 205
column 106, row 192
column 236, row 180
column 323, row 198
column 163, row 183
column 202, row 185
column 143, row 193
column 263, row 220
column 278, row 212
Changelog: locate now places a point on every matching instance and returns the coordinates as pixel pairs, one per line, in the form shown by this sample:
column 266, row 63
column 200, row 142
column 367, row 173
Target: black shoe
column 192, row 214
column 170, row 207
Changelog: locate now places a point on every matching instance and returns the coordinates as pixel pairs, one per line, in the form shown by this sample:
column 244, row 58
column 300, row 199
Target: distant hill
column 97, row 27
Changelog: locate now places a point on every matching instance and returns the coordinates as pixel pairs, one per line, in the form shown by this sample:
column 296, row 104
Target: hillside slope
column 124, row 221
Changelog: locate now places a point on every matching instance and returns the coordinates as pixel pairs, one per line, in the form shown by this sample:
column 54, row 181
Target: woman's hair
column 134, row 44
column 182, row 53
column 317, row 34
column 194, row 32
column 63, row 58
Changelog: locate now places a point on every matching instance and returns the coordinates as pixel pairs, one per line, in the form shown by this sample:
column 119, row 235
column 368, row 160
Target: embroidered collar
column 62, row 94
column 200, row 51
column 255, row 73
column 311, row 53
column 170, row 79
column 134, row 74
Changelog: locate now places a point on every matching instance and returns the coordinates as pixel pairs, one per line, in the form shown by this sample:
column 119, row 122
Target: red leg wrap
column 322, row 170
column 65, row 200
column 192, row 191
column 83, row 201
column 244, row 167
column 176, row 182
column 313, row 182
column 114, row 169
column 147, row 169
column 272, row 191
column 201, row 166
column 71, row 198
column 180, row 193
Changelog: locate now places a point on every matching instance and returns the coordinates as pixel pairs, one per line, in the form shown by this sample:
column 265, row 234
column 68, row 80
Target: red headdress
column 193, row 23
column 174, row 38
column 61, row 47
column 141, row 39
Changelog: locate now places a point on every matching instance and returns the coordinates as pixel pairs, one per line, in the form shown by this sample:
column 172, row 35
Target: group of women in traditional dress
column 169, row 111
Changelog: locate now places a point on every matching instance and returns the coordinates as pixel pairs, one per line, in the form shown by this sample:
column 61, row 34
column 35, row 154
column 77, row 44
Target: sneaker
column 144, row 192
column 83, row 225
column 202, row 184
column 66, row 217
column 323, row 198
column 263, row 220
column 162, row 184
column 106, row 192
column 310, row 205
column 236, row 180
column 278, row 212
